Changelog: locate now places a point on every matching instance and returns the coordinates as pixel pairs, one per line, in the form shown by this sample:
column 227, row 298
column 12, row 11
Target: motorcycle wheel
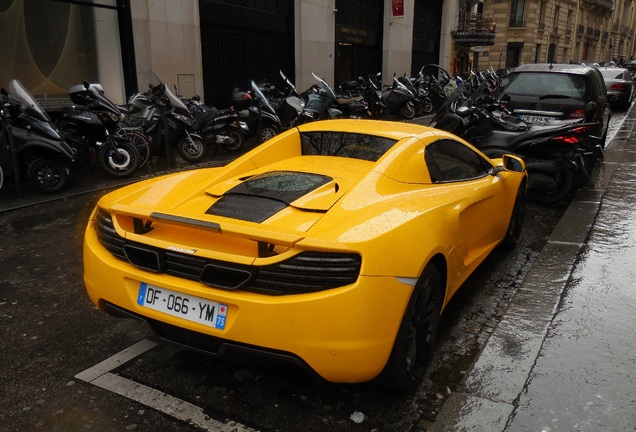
column 47, row 175
column 408, row 110
column 118, row 161
column 419, row 107
column 427, row 105
column 564, row 188
column 191, row 149
column 1, row 177
column 268, row 132
column 237, row 142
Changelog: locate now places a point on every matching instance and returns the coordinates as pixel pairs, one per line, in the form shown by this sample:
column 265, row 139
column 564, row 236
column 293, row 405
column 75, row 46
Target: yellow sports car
column 335, row 245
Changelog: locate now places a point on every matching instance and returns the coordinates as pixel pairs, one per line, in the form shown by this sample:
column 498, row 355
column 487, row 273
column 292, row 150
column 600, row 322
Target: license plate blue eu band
column 182, row 305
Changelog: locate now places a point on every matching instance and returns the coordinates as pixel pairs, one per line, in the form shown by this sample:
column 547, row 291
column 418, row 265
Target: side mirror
column 513, row 163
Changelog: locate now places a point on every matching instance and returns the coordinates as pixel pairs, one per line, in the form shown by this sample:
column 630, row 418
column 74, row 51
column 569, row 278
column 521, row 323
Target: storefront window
column 52, row 45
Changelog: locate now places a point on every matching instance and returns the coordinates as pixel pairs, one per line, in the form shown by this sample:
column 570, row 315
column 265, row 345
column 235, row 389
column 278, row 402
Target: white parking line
column 100, row 375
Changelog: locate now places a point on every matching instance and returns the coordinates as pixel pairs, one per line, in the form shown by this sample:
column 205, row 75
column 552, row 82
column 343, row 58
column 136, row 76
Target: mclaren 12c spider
column 335, row 245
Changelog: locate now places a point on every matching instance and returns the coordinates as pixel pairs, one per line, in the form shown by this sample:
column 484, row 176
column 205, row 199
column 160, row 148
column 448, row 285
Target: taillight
column 568, row 139
column 577, row 114
column 618, row 86
column 571, row 137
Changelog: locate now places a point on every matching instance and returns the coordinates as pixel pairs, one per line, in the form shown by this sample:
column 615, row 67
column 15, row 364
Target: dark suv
column 539, row 93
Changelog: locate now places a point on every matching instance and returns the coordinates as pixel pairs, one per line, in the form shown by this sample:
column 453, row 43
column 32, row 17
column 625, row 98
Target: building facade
column 210, row 47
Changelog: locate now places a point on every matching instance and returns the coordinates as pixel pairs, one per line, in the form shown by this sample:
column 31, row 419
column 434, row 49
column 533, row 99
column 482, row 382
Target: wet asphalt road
column 52, row 332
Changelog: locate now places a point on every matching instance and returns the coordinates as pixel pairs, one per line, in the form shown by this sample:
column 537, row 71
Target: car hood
column 290, row 195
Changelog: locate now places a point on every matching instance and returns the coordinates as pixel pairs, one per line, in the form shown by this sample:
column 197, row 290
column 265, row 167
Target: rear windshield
column 614, row 74
column 345, row 144
column 548, row 83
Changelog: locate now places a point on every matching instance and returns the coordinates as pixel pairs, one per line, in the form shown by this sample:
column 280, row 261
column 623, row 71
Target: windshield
column 174, row 100
column 259, row 94
column 29, row 104
column 324, row 86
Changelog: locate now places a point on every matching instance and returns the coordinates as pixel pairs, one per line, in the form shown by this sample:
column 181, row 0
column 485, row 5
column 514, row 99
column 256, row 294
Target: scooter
column 256, row 111
column 31, row 147
column 218, row 126
column 559, row 156
column 398, row 99
column 319, row 103
column 92, row 129
column 165, row 118
column 288, row 105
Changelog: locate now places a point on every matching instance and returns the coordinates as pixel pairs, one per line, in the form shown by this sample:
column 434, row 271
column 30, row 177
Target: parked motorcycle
column 218, row 126
column 255, row 110
column 92, row 129
column 319, row 103
column 288, row 105
column 31, row 147
column 398, row 99
column 559, row 155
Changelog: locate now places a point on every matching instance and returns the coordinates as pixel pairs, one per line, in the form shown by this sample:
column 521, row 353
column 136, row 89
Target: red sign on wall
column 397, row 8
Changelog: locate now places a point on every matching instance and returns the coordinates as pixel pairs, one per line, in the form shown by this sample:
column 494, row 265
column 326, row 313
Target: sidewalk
column 561, row 358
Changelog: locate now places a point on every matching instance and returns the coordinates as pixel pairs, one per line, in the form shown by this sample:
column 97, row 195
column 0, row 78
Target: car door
column 478, row 208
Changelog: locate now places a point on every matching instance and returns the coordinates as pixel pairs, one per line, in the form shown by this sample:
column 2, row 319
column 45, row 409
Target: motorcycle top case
column 79, row 95
column 241, row 101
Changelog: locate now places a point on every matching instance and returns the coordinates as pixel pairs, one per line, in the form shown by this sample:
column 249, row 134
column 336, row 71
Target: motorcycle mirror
column 86, row 84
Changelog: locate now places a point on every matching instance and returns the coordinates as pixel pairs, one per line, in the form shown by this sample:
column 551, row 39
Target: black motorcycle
column 92, row 128
column 398, row 99
column 164, row 118
column 31, row 147
column 288, row 104
column 255, row 110
column 559, row 155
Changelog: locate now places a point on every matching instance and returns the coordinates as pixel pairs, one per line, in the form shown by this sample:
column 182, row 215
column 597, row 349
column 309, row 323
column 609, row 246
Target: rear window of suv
column 548, row 84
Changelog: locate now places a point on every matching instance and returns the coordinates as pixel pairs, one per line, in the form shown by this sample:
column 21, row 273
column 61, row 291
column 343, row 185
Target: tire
column 120, row 161
column 417, row 334
column 564, row 188
column 408, row 110
column 427, row 105
column 237, row 142
column 516, row 219
column 419, row 108
column 191, row 149
column 1, row 177
column 141, row 143
column 47, row 175
column 268, row 132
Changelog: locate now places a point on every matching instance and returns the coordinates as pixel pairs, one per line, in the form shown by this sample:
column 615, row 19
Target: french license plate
column 534, row 119
column 181, row 305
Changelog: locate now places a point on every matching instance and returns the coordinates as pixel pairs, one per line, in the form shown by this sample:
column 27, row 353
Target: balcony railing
column 475, row 22
column 541, row 26
column 580, row 29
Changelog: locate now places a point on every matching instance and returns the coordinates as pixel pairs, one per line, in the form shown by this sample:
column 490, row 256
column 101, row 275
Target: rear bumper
column 344, row 334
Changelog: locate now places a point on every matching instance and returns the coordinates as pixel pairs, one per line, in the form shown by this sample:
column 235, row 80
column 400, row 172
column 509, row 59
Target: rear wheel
column 236, row 142
column 564, row 187
column 48, row 175
column 417, row 334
